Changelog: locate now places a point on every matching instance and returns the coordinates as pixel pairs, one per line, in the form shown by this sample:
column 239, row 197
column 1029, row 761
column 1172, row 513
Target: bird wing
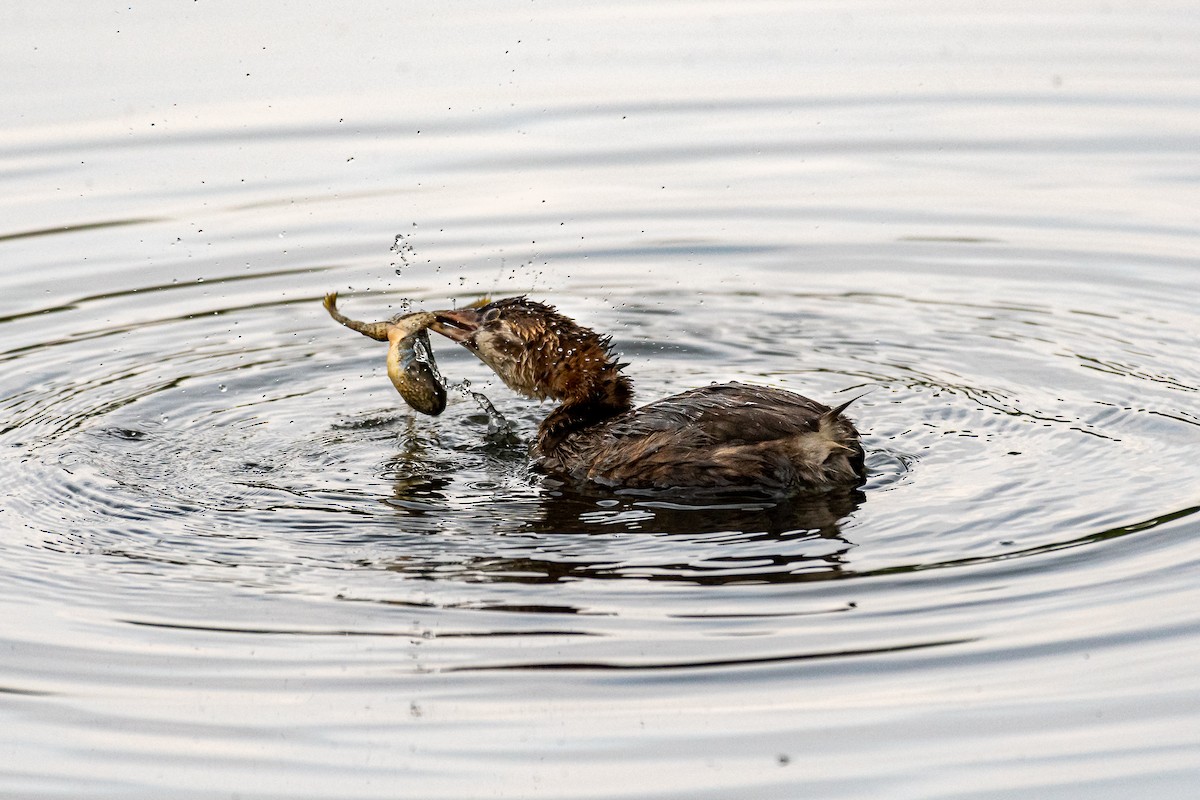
column 732, row 413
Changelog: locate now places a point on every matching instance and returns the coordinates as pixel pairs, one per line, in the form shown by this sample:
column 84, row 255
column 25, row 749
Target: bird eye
column 491, row 315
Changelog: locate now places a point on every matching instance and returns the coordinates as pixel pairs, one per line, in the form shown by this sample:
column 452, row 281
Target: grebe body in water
column 722, row 437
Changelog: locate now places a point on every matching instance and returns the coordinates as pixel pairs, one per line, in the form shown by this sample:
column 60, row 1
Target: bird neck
column 606, row 395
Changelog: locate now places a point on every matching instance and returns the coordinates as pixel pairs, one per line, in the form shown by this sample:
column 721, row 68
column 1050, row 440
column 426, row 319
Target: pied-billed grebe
column 722, row 437
column 410, row 363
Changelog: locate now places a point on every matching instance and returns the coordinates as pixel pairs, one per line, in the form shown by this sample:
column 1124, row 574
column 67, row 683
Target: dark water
column 233, row 563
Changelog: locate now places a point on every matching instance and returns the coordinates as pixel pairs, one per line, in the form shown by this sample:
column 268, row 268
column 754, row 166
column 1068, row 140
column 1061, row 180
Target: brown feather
column 731, row 436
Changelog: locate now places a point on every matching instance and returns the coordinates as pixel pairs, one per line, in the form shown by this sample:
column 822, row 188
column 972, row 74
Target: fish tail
column 376, row 330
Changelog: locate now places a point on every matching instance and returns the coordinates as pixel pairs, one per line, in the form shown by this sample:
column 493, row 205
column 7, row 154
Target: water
column 232, row 563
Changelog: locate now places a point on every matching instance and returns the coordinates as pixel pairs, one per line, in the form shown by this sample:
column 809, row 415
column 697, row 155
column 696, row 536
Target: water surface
column 232, row 562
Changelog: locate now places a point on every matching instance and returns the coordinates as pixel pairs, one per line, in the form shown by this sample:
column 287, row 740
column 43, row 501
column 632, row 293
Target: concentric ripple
column 218, row 470
column 260, row 436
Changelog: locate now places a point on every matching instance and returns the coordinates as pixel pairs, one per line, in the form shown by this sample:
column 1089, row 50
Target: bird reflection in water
column 546, row 531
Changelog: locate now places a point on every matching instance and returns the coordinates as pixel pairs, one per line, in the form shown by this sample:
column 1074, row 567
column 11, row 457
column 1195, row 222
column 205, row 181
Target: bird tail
column 834, row 413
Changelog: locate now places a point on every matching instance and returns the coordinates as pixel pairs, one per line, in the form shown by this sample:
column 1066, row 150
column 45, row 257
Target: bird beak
column 459, row 325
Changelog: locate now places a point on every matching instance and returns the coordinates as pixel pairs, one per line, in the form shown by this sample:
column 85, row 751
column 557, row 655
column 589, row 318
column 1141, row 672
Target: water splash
column 404, row 250
column 500, row 430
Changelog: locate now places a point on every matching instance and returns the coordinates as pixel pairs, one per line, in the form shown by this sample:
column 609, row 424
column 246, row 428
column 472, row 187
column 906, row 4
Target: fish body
column 412, row 370
column 410, row 364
